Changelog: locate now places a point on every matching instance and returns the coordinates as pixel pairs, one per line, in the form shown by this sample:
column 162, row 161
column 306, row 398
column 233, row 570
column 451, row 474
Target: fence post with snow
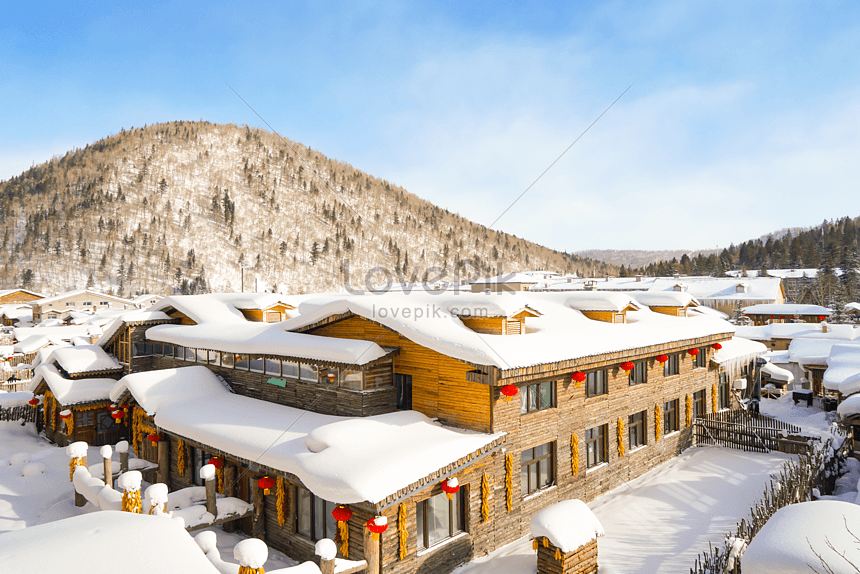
column 207, row 475
column 129, row 482
column 251, row 554
column 122, row 449
column 77, row 452
column 565, row 537
column 107, row 452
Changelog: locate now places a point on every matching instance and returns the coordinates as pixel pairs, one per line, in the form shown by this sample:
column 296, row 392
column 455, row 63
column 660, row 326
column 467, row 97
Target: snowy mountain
column 184, row 206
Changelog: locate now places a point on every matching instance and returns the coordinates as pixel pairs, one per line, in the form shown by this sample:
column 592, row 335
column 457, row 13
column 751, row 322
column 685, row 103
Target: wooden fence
column 748, row 431
column 25, row 414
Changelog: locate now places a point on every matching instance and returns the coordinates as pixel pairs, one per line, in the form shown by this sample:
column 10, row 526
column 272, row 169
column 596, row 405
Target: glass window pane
column 524, row 480
column 215, row 358
column 319, row 518
column 202, row 356
column 543, row 473
column 350, row 380
column 228, row 360
column 457, row 512
column 420, row 509
column 308, row 373
column 290, row 369
column 438, row 519
column 242, row 362
column 546, row 395
column 533, row 476
column 330, row 523
column 526, row 456
column 257, row 363
column 273, row 367
column 532, row 397
column 303, row 509
column 524, row 400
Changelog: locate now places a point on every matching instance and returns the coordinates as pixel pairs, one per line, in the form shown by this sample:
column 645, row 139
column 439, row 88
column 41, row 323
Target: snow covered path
column 663, row 519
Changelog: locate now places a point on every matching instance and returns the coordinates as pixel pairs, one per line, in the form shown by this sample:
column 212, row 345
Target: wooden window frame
column 639, row 371
column 549, row 457
column 422, row 519
column 724, row 393
column 670, row 417
column 593, row 380
column 699, row 408
column 533, row 390
column 672, row 367
column 700, row 361
column 595, row 442
column 637, row 430
column 326, row 514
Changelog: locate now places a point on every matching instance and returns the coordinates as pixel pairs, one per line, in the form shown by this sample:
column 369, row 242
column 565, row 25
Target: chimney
column 676, row 276
column 639, row 279
column 589, row 285
column 823, row 326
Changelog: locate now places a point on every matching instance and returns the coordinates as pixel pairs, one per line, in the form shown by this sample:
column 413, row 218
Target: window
column 699, row 404
column 190, row 355
column 241, row 363
column 199, row 458
column 672, row 365
column 273, row 367
column 636, row 430
column 351, row 380
column 215, row 358
column 701, row 360
column 313, row 516
column 70, row 304
column 290, row 369
column 670, row 416
column 537, row 397
column 439, row 519
column 536, row 471
column 142, row 349
column 307, row 373
column 202, row 356
column 104, row 303
column 257, row 363
column 157, row 349
column 724, row 392
column 639, row 374
column 595, row 383
column 595, row 446
column 403, row 388
column 87, row 303
column 85, row 419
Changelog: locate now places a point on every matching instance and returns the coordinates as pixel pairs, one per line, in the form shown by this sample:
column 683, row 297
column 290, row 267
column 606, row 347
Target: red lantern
column 821, row 317
column 117, row 415
column 267, row 483
column 578, row 377
column 65, row 414
column 627, row 366
column 377, row 526
column 216, row 462
column 771, row 316
column 693, row 352
column 450, row 487
column 717, row 346
column 509, row 391
column 33, row 402
column 153, row 438
column 662, row 359
column 782, row 316
column 341, row 513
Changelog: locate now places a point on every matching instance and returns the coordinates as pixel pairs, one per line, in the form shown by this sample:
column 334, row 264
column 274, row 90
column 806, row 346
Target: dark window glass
column 595, row 445
column 636, row 430
column 257, row 364
column 701, row 360
column 403, row 388
column 698, row 404
column 537, row 468
column 313, row 516
column 670, row 416
column 439, row 519
column 273, row 367
column 595, row 383
column 537, row 397
column 290, row 369
column 672, row 366
column 639, row 374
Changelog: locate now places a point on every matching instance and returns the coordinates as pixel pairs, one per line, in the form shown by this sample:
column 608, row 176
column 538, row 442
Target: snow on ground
column 662, row 520
column 812, row 420
column 48, row 496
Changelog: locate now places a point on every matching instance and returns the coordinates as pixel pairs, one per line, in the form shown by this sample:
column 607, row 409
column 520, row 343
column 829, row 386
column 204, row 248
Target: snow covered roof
column 508, row 278
column 559, row 334
column 738, row 350
column 809, row 351
column 843, row 369
column 10, row 400
column 68, row 294
column 146, row 300
column 601, row 301
column 84, row 359
column 853, row 306
column 4, row 292
column 568, row 525
column 88, row 543
column 341, row 459
column 16, row 311
column 56, row 333
column 129, row 317
column 665, row 298
column 781, row 273
column 71, row 392
column 777, row 373
column 793, row 539
column 31, row 344
column 722, row 288
column 787, row 309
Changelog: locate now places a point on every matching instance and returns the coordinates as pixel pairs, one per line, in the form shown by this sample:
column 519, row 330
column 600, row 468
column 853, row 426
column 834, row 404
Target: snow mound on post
column 207, row 541
column 251, row 552
column 326, row 549
column 122, row 446
column 106, row 451
column 156, row 494
column 129, row 480
column 789, row 541
column 568, row 525
column 207, row 472
column 77, row 449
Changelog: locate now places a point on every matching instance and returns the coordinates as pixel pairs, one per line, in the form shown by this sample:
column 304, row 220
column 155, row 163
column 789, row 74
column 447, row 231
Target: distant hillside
column 635, row 259
column 182, row 205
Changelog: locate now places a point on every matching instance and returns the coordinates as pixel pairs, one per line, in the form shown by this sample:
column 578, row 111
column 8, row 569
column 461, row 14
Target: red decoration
column 821, row 317
column 627, row 366
column 376, row 528
column 216, row 462
column 771, row 316
column 117, row 415
column 153, row 438
column 450, row 487
column 65, row 416
column 266, row 483
column 782, row 316
column 578, row 377
column 509, row 391
column 693, row 352
column 662, row 359
column 341, row 513
column 33, row 402
column 717, row 346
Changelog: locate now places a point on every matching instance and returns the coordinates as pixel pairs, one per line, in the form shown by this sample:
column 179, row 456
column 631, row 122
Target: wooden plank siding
column 439, row 386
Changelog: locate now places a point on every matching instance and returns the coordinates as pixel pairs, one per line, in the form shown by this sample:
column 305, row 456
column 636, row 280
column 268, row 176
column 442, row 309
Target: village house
column 381, row 403
column 786, row 313
column 10, row 296
column 55, row 306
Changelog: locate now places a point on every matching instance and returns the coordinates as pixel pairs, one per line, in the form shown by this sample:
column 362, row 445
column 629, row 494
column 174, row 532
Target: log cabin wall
column 439, row 386
column 298, row 394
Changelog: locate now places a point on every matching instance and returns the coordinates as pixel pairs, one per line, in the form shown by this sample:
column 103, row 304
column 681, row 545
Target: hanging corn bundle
column 658, row 422
column 129, row 482
column 77, row 453
column 180, row 457
column 485, row 498
column 341, row 515
column 620, row 436
column 509, row 481
column 402, row 533
column 689, row 407
column 574, row 454
column 280, row 501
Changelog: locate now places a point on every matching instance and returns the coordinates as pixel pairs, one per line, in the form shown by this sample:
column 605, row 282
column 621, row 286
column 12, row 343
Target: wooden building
column 567, row 406
column 55, row 306
column 786, row 313
column 10, row 296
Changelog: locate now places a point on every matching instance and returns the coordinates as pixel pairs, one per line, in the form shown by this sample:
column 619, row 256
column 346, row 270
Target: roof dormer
column 513, row 324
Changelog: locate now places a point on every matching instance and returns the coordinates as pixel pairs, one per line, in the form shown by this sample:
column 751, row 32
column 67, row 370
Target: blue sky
column 744, row 117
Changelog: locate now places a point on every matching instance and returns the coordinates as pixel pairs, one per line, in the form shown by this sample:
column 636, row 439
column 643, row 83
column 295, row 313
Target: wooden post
column 106, row 462
column 80, row 499
column 211, row 506
column 123, row 462
column 163, row 461
column 229, row 488
column 258, row 528
column 326, row 566
column 371, row 551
